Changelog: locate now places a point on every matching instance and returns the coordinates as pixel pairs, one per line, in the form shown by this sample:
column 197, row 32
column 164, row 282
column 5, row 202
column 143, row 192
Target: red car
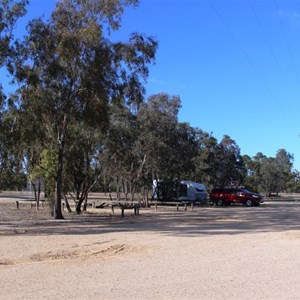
column 229, row 195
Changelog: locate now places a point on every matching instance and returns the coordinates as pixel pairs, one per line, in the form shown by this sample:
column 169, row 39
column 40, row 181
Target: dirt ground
column 205, row 253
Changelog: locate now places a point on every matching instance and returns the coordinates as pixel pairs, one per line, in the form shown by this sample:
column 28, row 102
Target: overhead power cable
column 272, row 52
column 287, row 41
column 249, row 60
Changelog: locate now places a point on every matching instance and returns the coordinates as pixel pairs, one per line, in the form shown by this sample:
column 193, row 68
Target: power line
column 272, row 52
column 248, row 59
column 287, row 41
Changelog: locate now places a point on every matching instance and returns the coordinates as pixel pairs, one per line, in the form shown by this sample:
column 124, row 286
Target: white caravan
column 184, row 191
column 192, row 191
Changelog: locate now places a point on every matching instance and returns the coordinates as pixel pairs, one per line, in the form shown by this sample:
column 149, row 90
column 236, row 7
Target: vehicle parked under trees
column 179, row 190
column 231, row 195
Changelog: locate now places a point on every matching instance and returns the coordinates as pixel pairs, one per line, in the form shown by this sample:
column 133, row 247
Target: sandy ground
column 206, row 253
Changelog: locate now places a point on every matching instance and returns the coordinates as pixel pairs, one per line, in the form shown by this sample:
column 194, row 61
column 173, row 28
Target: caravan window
column 182, row 190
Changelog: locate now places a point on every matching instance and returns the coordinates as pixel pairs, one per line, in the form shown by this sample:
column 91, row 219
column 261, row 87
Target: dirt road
column 205, row 253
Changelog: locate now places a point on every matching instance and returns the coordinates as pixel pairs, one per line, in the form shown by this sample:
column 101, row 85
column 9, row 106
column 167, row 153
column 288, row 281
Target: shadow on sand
column 166, row 220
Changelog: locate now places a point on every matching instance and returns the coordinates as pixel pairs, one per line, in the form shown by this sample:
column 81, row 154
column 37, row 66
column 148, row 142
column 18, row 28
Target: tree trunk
column 38, row 195
column 67, row 204
column 78, row 205
column 104, row 184
column 146, row 196
column 117, row 188
column 85, row 203
column 57, row 205
column 125, row 188
column 34, row 190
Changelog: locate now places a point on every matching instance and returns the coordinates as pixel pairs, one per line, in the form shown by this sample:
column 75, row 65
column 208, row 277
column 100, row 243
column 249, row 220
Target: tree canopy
column 79, row 116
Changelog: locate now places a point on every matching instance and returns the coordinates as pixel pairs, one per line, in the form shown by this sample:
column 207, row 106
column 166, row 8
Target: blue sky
column 234, row 63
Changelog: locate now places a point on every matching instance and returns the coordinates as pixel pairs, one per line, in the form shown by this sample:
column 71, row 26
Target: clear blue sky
column 234, row 63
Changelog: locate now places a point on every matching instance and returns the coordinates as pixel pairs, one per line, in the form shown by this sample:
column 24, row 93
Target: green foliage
column 79, row 117
column 70, row 74
column 219, row 164
column 82, row 168
column 10, row 12
column 158, row 127
column 47, row 167
column 293, row 186
column 270, row 174
column 12, row 181
column 149, row 144
column 122, row 158
column 11, row 169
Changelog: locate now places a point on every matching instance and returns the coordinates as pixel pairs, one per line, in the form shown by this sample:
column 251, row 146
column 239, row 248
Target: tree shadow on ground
column 166, row 220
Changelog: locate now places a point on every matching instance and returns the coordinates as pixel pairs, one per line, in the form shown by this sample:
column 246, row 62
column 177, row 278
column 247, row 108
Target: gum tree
column 10, row 158
column 10, row 12
column 73, row 72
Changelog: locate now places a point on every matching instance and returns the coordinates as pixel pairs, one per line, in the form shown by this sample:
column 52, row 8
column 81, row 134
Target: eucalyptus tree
column 10, row 163
column 10, row 12
column 218, row 163
column 231, row 166
column 11, row 150
column 83, row 166
column 148, row 144
column 12, row 173
column 71, row 71
column 122, row 157
column 44, row 170
column 255, row 172
column 186, row 151
column 268, row 175
column 294, row 183
column 158, row 119
column 276, row 172
column 206, row 160
column 284, row 164
column 251, row 177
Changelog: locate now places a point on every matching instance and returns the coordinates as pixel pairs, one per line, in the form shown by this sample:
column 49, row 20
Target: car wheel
column 219, row 202
column 212, row 202
column 248, row 202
